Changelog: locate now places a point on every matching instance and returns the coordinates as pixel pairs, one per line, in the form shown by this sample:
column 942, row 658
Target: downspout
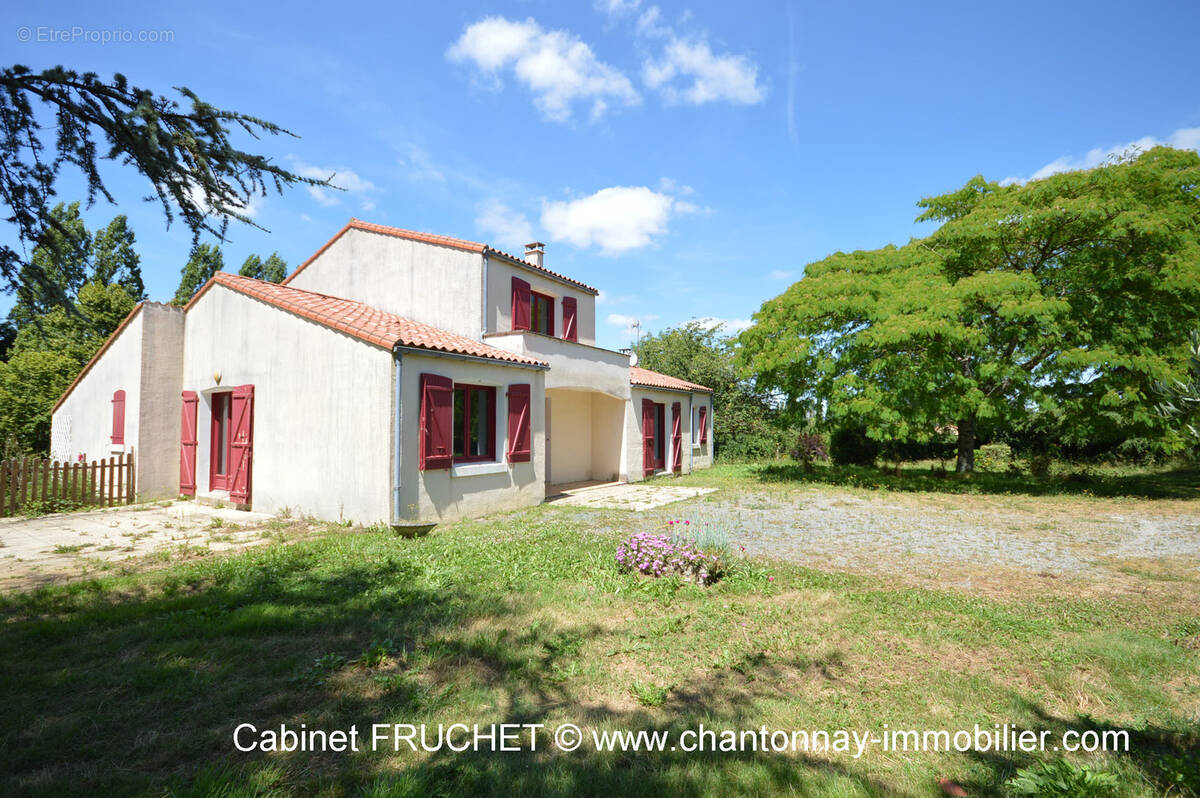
column 483, row 298
column 397, row 437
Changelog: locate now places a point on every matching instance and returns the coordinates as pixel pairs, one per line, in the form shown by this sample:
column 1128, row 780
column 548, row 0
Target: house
column 395, row 376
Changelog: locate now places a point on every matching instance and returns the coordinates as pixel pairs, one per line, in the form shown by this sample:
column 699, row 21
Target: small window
column 541, row 314
column 474, row 423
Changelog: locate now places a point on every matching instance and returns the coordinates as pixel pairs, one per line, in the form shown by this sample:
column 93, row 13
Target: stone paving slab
column 37, row 549
column 628, row 496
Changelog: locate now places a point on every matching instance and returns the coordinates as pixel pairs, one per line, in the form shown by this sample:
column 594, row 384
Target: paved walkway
column 41, row 550
column 624, row 496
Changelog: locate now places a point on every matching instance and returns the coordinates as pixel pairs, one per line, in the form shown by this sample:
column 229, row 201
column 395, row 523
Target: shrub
column 993, row 457
column 747, row 447
column 700, row 533
column 1061, row 779
column 1040, row 464
column 851, row 446
column 657, row 556
column 810, row 447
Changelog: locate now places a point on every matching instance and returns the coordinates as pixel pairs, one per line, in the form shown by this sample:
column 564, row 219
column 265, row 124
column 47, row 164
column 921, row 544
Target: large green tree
column 273, row 269
column 747, row 423
column 57, row 267
column 195, row 169
column 1181, row 397
column 205, row 261
column 46, row 356
column 1073, row 293
column 47, row 342
column 114, row 259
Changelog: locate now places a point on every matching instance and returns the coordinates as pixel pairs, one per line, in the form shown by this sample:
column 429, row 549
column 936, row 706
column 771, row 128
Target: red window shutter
column 570, row 308
column 704, row 424
column 648, row 416
column 241, row 444
column 677, row 436
column 118, row 428
column 437, row 422
column 187, row 451
column 519, row 435
column 520, row 304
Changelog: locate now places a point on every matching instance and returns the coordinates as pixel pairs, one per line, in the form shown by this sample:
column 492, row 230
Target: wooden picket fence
column 58, row 485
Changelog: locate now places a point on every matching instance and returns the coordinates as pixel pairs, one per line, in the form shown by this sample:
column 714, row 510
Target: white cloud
column 780, row 274
column 253, row 206
column 729, row 326
column 626, row 322
column 615, row 219
column 1187, row 138
column 509, row 228
column 419, row 165
column 650, row 24
column 340, row 176
column 1184, row 139
column 557, row 67
column 690, row 72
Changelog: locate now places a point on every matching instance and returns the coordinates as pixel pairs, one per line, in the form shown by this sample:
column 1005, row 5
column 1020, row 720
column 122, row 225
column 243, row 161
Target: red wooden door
column 220, row 453
column 676, row 437
column 660, row 436
column 648, row 436
column 242, row 445
column 187, row 449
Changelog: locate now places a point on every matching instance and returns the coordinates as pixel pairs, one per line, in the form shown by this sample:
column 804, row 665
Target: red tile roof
column 361, row 321
column 652, row 379
column 440, row 240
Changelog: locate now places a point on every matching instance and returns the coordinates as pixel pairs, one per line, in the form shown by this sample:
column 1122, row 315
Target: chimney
column 535, row 253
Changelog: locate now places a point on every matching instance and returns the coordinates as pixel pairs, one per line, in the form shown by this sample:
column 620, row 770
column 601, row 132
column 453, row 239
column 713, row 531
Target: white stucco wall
column 82, row 424
column 429, row 283
column 573, row 366
column 693, row 457
column 570, row 436
column 608, row 420
column 585, row 436
column 499, row 299
column 322, row 406
column 464, row 491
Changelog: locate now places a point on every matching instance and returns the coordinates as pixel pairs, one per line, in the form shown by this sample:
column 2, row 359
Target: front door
column 660, row 436
column 220, row 455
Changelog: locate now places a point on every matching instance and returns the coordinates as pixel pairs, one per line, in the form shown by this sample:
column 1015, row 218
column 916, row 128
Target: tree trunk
column 966, row 445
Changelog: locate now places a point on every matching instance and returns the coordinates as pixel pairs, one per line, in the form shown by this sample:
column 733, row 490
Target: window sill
column 477, row 469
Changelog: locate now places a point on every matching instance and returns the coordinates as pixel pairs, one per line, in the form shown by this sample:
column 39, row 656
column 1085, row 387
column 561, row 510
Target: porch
column 584, row 432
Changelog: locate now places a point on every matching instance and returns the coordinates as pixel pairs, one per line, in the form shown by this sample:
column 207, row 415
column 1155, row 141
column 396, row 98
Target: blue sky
column 688, row 159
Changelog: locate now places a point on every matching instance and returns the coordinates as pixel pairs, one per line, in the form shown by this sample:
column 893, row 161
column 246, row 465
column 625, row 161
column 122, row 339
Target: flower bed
column 659, row 555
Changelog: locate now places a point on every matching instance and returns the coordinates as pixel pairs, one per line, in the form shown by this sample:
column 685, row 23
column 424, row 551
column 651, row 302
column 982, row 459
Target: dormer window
column 541, row 313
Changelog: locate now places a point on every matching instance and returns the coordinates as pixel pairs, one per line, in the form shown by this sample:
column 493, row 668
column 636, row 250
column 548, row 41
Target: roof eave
column 542, row 272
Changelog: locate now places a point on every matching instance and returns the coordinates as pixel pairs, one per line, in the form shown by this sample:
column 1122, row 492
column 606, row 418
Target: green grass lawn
column 134, row 684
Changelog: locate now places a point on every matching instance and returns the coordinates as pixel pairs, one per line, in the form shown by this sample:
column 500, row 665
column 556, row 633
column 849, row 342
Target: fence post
column 3, row 487
column 132, row 485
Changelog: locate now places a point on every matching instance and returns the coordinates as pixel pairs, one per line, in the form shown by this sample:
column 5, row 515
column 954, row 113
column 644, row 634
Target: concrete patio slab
column 34, row 550
column 625, row 496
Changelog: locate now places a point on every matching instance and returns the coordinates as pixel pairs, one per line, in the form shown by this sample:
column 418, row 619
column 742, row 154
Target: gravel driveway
column 899, row 532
